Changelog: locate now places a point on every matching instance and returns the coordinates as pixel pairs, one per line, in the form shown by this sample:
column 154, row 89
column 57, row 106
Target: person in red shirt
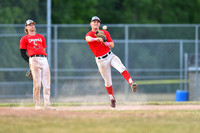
column 35, row 45
column 105, row 58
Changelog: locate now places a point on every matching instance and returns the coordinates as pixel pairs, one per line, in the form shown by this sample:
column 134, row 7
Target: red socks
column 127, row 76
column 110, row 92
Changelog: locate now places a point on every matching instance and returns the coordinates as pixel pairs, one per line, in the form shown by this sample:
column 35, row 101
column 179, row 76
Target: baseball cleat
column 49, row 108
column 113, row 101
column 134, row 87
column 38, row 108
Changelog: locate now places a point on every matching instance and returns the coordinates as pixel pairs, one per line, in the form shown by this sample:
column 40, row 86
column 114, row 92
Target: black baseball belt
column 104, row 56
column 38, row 56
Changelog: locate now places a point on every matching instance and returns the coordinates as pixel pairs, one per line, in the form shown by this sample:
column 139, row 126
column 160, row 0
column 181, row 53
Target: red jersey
column 34, row 45
column 97, row 48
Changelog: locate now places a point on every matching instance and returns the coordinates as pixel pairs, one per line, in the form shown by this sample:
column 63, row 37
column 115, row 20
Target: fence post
column 55, row 61
column 49, row 32
column 186, row 71
column 126, row 59
column 181, row 65
column 196, row 63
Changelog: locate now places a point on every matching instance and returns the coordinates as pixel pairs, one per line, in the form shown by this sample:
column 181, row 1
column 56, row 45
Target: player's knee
column 37, row 86
column 122, row 69
column 47, row 91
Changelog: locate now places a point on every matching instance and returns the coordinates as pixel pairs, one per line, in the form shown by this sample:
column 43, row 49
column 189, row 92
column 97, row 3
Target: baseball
column 104, row 27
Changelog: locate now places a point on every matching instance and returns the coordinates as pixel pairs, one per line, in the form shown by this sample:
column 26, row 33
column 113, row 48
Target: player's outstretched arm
column 90, row 39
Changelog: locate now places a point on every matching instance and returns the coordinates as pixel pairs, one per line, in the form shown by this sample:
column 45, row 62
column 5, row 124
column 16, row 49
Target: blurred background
column 157, row 41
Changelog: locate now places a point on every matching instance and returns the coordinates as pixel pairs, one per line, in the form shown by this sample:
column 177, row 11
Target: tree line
column 112, row 11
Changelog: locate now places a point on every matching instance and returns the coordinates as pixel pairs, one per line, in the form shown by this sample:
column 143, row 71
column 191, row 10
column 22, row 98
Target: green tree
column 112, row 11
column 160, row 11
column 17, row 12
column 73, row 12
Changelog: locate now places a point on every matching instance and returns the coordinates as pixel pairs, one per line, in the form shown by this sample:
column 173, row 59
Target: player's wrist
column 107, row 43
column 92, row 39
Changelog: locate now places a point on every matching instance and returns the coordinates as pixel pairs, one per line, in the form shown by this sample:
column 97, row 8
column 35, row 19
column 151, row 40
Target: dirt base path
column 119, row 107
column 78, row 111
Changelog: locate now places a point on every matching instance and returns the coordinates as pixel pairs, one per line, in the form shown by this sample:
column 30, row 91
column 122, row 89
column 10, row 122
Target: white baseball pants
column 104, row 66
column 40, row 70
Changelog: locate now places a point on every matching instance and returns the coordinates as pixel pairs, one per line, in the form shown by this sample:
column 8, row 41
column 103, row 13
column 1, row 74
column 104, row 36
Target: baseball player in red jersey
column 105, row 58
column 34, row 45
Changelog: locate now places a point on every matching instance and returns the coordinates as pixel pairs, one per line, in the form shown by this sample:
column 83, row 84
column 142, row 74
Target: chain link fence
column 153, row 55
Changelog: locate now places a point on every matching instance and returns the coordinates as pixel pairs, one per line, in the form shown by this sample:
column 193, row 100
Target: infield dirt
column 77, row 110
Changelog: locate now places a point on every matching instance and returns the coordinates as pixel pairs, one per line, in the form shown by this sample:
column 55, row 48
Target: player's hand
column 99, row 39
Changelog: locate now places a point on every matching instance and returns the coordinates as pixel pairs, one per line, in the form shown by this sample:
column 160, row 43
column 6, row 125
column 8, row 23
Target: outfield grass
column 105, row 122
column 99, row 121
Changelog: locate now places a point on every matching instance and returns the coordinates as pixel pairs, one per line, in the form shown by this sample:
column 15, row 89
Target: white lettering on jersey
column 35, row 42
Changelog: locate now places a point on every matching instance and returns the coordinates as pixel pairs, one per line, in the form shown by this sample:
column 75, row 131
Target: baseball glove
column 101, row 34
column 29, row 74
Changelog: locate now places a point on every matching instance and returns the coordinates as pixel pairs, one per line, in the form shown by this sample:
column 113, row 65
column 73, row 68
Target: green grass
column 104, row 122
column 101, row 121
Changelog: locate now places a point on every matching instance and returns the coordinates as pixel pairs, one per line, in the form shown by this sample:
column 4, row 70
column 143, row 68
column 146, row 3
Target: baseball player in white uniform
column 35, row 45
column 105, row 58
